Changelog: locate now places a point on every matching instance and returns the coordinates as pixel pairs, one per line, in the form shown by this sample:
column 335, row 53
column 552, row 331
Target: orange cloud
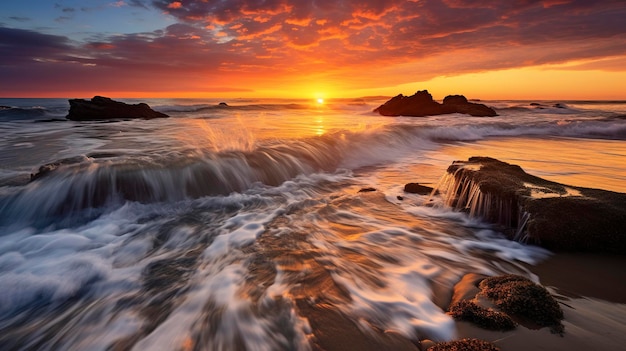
column 175, row 5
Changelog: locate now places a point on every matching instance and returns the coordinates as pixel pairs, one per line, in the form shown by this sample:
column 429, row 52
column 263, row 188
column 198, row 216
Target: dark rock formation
column 102, row 108
column 538, row 211
column 422, row 104
column 222, row 104
column 416, row 188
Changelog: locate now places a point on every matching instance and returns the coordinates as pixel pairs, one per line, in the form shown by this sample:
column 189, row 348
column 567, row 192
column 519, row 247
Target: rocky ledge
column 421, row 104
column 534, row 210
column 103, row 108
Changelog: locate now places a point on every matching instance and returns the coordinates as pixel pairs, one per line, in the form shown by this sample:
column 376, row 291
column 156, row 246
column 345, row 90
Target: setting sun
column 320, row 101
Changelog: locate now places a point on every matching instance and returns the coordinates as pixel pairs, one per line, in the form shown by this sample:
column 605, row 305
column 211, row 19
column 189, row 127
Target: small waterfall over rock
column 534, row 210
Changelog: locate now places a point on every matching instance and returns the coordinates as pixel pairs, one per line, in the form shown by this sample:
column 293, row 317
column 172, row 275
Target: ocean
column 245, row 228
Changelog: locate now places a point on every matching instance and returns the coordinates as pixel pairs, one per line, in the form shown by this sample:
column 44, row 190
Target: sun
column 320, row 101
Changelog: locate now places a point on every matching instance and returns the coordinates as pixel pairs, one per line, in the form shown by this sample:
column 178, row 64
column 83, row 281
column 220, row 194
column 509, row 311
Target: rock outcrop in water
column 535, row 210
column 102, row 108
column 421, row 104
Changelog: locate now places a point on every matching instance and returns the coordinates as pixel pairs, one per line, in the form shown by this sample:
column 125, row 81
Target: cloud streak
column 287, row 42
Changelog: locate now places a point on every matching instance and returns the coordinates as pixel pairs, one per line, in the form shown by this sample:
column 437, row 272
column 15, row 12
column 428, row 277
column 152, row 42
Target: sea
column 238, row 227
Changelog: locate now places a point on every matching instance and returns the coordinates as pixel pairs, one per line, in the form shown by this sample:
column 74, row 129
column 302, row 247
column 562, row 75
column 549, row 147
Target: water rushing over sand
column 244, row 228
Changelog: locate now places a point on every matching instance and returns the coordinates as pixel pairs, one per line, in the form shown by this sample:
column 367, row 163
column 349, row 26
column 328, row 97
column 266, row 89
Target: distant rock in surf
column 421, row 104
column 222, row 104
column 103, row 108
column 538, row 211
column 416, row 188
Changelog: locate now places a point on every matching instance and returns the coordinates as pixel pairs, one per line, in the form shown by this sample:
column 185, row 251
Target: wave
column 80, row 188
column 17, row 113
column 85, row 186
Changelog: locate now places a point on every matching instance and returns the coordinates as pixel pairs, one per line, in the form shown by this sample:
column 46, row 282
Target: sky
column 488, row 49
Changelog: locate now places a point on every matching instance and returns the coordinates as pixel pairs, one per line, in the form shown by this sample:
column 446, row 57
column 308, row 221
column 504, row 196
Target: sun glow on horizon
column 320, row 101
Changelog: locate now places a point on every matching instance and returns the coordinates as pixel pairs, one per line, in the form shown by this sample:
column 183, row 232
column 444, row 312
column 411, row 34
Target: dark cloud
column 19, row 46
column 20, row 19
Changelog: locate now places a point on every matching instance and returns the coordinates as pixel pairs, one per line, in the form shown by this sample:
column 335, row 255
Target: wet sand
column 600, row 276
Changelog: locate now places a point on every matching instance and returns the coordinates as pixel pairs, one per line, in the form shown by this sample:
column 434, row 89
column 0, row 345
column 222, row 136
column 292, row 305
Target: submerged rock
column 102, row 108
column 422, row 104
column 556, row 216
column 367, row 190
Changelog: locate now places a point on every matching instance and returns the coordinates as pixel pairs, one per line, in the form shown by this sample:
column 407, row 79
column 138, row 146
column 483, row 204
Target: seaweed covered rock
column 520, row 297
column 486, row 318
column 500, row 302
column 556, row 216
column 421, row 104
column 465, row 345
column 102, row 108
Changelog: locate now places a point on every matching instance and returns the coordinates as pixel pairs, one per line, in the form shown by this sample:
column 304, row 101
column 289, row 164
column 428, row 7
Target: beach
column 271, row 224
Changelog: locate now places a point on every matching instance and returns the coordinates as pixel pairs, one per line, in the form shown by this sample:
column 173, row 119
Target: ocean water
column 222, row 228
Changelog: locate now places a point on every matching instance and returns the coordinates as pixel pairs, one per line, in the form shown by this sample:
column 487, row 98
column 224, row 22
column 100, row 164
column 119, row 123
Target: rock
column 459, row 104
column 465, row 345
column 516, row 298
column 103, row 108
column 556, row 216
column 367, row 190
column 416, row 188
column 422, row 104
column 521, row 298
column 418, row 105
column 486, row 318
column 222, row 104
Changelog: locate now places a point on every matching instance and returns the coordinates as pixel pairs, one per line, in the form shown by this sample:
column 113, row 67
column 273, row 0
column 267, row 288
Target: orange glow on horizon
column 531, row 83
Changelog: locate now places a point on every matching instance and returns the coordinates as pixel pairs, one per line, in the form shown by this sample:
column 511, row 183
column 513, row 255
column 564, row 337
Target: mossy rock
column 465, row 345
column 486, row 318
column 520, row 297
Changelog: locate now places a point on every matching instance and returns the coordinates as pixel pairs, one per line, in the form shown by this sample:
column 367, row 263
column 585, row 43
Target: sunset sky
column 518, row 49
